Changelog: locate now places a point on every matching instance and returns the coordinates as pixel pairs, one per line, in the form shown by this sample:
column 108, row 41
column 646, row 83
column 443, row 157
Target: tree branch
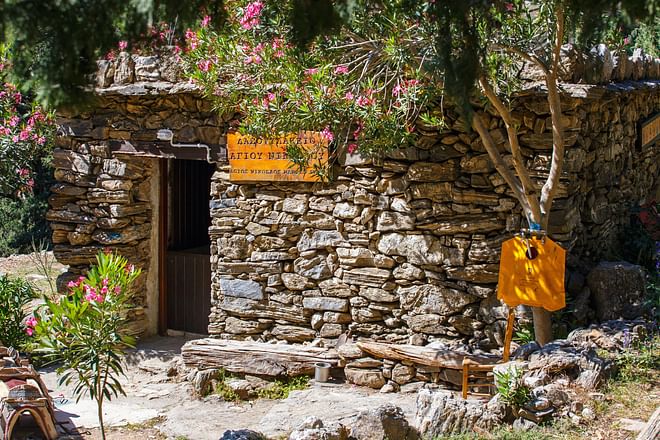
column 550, row 187
column 498, row 161
column 528, row 187
column 525, row 56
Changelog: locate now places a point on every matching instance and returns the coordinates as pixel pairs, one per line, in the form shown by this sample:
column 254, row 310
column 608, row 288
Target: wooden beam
column 260, row 358
column 163, row 150
column 163, row 213
column 432, row 357
column 652, row 429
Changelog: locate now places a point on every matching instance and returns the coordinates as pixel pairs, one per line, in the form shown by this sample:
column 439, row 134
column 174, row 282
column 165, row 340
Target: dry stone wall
column 402, row 248
column 106, row 199
column 405, row 247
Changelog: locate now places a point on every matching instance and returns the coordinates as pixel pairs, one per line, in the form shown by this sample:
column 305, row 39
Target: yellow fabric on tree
column 537, row 281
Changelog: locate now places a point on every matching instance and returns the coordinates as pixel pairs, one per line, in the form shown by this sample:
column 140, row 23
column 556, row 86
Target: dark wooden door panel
column 188, row 266
column 189, row 291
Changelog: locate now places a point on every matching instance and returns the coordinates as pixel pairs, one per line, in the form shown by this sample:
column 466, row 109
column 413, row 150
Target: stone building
column 397, row 248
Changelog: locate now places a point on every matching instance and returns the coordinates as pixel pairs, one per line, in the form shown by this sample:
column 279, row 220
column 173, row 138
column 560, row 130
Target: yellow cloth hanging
column 536, row 282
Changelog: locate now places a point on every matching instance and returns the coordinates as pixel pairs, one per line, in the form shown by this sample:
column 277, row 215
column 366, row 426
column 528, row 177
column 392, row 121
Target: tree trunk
column 99, row 407
column 542, row 325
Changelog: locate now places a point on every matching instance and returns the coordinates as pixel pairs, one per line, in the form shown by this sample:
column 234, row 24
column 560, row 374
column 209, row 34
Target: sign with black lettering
column 259, row 159
column 650, row 130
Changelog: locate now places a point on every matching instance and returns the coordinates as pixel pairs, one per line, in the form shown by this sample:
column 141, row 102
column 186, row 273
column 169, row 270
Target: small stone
column 331, row 330
column 372, row 378
column 387, row 388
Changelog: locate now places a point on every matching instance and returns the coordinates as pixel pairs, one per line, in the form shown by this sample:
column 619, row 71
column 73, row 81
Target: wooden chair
column 479, row 374
column 22, row 391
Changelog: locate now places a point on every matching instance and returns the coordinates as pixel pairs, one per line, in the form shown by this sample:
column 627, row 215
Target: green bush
column 23, row 219
column 84, row 330
column 510, row 386
column 15, row 294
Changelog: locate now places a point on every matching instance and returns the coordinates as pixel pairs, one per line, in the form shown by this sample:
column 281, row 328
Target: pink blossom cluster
column 402, row 87
column 341, row 70
column 277, row 45
column 327, row 134
column 205, row 21
column 94, row 294
column 192, row 39
column 254, row 54
column 205, row 65
column 365, row 100
column 30, row 324
column 251, row 15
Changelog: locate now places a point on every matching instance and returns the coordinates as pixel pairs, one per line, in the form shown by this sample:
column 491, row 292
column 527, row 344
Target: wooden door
column 187, row 260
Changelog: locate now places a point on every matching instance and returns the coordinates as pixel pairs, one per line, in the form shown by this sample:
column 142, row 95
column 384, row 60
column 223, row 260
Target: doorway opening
column 185, row 260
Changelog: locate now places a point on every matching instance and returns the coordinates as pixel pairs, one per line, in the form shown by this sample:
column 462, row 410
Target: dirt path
column 156, row 405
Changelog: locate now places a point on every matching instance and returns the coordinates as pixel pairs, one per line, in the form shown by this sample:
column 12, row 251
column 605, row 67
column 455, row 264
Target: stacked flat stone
column 400, row 248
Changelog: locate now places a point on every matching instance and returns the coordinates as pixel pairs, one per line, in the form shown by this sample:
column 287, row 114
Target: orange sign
column 650, row 130
column 260, row 159
column 532, row 273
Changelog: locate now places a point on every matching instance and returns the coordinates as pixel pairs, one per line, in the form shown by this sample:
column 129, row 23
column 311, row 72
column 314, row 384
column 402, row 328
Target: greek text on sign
column 260, row 159
column 650, row 130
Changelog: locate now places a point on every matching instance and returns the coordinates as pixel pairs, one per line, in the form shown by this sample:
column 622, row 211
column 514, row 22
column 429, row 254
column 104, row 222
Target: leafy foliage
column 23, row 219
column 26, row 135
column 280, row 389
column 83, row 330
column 509, row 385
column 639, row 362
column 56, row 43
column 15, row 295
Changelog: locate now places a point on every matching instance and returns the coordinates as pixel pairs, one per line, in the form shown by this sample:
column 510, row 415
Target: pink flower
column 14, row 138
column 352, row 147
column 311, row 71
column 117, row 290
column 23, row 172
column 31, row 322
column 278, row 54
column 191, row 39
column 17, row 97
column 626, row 41
column 363, row 101
column 204, row 65
column 327, row 134
column 110, row 56
column 24, row 135
column 13, row 122
column 71, row 285
column 29, row 331
column 251, row 15
column 123, row 44
column 41, row 140
column 508, row 6
column 206, row 20
column 349, row 96
column 104, row 290
column 341, row 70
column 105, row 281
column 254, row 59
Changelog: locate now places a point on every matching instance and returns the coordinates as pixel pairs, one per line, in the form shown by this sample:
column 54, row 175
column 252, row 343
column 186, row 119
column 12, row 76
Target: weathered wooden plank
column 432, row 357
column 260, row 358
column 652, row 429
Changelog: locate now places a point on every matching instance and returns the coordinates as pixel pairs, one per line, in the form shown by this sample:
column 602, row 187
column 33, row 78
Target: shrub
column 15, row 294
column 83, row 330
column 510, row 386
